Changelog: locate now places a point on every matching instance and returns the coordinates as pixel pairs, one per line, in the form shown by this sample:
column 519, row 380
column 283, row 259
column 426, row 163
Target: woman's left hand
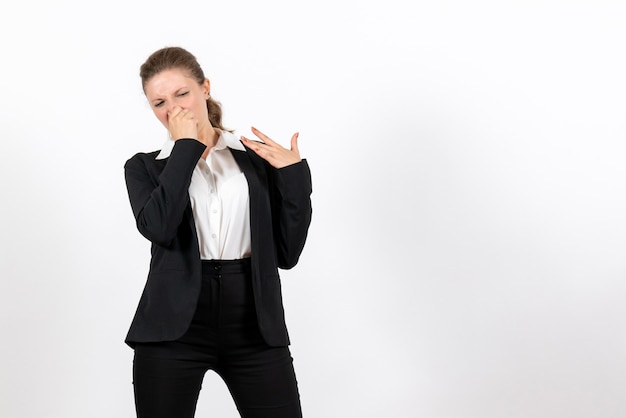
column 275, row 154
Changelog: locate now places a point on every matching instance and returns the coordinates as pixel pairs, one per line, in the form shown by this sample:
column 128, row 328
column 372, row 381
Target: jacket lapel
column 255, row 186
column 245, row 163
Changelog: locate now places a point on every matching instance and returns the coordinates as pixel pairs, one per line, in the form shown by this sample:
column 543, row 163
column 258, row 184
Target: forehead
column 168, row 81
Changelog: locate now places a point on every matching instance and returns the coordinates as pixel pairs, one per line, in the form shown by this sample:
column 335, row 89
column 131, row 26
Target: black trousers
column 224, row 337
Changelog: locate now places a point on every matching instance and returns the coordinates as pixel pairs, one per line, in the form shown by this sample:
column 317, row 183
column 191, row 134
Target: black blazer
column 280, row 214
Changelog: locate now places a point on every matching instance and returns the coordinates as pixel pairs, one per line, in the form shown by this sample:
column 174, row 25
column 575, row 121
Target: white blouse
column 220, row 201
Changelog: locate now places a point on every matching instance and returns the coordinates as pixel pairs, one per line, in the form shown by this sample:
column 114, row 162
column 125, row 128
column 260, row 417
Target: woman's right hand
column 182, row 124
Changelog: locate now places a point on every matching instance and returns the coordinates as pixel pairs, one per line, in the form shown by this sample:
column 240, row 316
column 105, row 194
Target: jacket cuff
column 295, row 178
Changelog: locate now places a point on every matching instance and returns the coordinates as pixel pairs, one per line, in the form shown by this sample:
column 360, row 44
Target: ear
column 206, row 88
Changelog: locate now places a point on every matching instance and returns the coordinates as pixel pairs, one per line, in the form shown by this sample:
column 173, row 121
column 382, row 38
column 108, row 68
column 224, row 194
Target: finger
column 294, row 142
column 255, row 146
column 262, row 136
column 174, row 112
column 252, row 142
column 188, row 114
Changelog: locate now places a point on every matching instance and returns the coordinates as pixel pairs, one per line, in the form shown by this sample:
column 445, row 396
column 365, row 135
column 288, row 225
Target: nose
column 170, row 109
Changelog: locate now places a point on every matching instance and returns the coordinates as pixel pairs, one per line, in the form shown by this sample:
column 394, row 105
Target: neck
column 208, row 136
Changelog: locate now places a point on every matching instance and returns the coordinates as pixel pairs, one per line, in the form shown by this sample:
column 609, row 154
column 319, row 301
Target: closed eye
column 183, row 94
column 159, row 104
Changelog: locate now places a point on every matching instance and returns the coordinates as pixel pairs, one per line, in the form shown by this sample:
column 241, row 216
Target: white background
column 467, row 253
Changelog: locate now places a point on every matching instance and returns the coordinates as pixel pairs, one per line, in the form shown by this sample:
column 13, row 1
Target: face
column 171, row 88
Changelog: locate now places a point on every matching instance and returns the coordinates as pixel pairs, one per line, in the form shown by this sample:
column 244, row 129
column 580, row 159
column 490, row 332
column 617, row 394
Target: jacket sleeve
column 291, row 210
column 158, row 204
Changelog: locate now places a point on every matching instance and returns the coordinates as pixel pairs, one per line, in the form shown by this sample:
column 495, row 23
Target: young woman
column 223, row 214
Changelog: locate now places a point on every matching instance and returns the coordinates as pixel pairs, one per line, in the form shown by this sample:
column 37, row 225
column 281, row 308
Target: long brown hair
column 176, row 57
